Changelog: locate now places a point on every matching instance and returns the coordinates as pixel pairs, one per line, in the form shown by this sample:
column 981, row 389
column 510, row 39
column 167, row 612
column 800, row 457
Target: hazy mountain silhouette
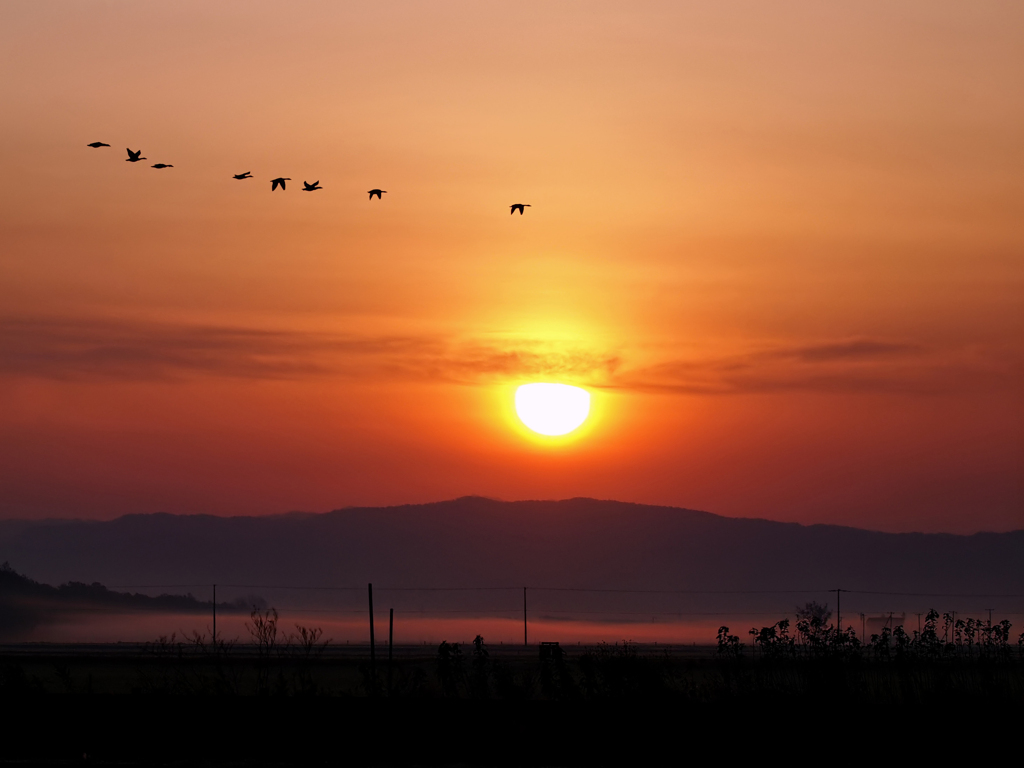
column 24, row 602
column 475, row 541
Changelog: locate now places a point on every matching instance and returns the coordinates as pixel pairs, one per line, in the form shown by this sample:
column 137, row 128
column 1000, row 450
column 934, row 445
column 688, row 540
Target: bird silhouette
column 520, row 206
column 307, row 187
column 133, row 157
column 278, row 182
column 378, row 193
column 245, row 175
column 162, row 165
column 97, row 145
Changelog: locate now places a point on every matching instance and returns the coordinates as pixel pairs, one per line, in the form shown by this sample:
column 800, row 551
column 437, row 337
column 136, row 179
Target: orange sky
column 780, row 243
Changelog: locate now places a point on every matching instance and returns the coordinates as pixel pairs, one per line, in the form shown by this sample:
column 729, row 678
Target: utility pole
column 373, row 651
column 839, row 612
column 391, row 644
column 525, row 637
column 989, row 616
column 214, row 617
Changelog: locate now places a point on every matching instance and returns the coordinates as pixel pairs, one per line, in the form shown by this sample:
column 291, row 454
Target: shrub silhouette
column 773, row 642
column 193, row 665
column 511, row 683
column 309, row 646
column 480, row 670
column 619, row 671
column 728, row 645
column 262, row 628
column 814, row 611
column 556, row 681
column 450, row 670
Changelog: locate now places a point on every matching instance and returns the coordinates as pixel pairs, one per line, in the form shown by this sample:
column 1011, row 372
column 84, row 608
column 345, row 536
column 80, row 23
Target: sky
column 780, row 244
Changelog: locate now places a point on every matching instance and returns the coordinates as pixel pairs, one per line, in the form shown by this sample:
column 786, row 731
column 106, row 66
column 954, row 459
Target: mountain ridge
column 577, row 542
column 28, row 522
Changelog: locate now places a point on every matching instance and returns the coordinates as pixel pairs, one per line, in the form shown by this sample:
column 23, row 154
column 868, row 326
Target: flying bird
column 162, row 165
column 133, row 157
column 378, row 193
column 520, row 206
column 278, row 182
column 97, row 145
column 307, row 187
column 245, row 175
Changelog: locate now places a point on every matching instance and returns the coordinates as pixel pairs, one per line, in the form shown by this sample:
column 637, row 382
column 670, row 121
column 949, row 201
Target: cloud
column 857, row 349
column 845, row 366
column 75, row 349
column 68, row 349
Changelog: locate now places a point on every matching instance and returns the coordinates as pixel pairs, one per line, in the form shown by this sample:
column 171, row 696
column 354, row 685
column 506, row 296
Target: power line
column 931, row 594
column 591, row 590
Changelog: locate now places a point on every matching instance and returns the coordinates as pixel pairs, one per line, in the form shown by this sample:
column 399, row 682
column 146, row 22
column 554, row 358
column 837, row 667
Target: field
column 539, row 705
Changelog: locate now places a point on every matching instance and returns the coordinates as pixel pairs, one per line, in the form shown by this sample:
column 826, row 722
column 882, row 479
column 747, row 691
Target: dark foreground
column 610, row 705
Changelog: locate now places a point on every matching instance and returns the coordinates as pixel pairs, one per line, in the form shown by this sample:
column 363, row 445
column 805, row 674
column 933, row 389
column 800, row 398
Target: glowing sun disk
column 552, row 409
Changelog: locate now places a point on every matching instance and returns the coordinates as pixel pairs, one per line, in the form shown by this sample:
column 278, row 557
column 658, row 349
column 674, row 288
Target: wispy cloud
column 67, row 349
column 844, row 366
column 70, row 349
column 856, row 349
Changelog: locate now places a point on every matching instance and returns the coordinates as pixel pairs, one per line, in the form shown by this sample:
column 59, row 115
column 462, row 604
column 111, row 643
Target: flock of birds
column 136, row 156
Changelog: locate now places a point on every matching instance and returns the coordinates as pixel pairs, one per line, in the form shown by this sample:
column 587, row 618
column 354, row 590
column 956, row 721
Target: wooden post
column 373, row 650
column 839, row 612
column 525, row 636
column 391, row 644
column 215, row 617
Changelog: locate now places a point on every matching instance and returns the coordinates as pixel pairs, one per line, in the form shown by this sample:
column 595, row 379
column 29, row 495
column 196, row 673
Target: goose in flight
column 520, row 206
column 97, row 145
column 378, row 193
column 162, row 165
column 307, row 187
column 245, row 175
column 278, row 182
column 133, row 157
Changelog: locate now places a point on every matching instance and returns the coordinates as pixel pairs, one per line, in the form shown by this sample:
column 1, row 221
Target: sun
column 552, row 409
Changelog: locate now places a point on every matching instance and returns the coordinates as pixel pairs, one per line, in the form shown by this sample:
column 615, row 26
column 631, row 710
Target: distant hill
column 477, row 542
